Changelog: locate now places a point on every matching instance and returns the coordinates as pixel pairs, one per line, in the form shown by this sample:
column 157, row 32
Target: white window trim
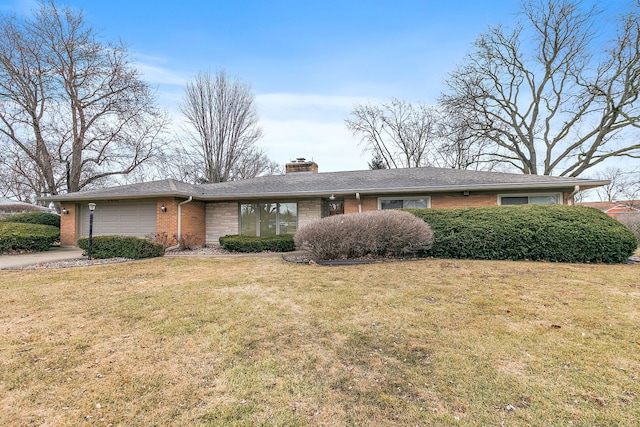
column 427, row 198
column 559, row 195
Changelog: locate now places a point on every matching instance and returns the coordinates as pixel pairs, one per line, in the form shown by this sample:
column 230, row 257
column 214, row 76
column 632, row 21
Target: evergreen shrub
column 239, row 243
column 557, row 233
column 121, row 247
column 27, row 237
column 376, row 233
column 43, row 218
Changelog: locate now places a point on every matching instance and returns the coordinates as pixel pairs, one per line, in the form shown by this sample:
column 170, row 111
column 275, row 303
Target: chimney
column 301, row 165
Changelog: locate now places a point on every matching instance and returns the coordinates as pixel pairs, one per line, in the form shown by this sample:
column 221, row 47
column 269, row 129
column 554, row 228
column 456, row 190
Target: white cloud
column 159, row 75
column 310, row 126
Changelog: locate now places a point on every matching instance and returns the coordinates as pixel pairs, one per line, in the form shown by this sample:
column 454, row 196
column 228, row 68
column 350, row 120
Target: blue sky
column 308, row 62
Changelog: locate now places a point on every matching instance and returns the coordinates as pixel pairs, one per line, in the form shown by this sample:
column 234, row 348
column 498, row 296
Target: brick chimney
column 301, row 165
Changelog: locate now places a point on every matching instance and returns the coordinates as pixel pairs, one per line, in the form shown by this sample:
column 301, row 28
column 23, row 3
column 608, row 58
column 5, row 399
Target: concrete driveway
column 53, row 254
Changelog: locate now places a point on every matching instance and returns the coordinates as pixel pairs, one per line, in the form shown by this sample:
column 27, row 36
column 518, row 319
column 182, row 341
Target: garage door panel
column 125, row 218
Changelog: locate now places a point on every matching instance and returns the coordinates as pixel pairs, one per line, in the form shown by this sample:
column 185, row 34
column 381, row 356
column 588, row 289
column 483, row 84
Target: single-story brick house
column 282, row 203
column 10, row 207
column 614, row 208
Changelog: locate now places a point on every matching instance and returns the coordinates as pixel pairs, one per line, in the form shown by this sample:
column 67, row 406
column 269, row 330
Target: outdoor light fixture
column 332, row 197
column 163, row 208
column 92, row 207
column 65, row 211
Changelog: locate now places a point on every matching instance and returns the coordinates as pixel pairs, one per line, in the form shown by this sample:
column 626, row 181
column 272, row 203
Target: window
column 332, row 206
column 534, row 199
column 268, row 219
column 404, row 202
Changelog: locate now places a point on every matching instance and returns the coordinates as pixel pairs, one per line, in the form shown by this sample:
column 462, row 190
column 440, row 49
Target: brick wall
column 167, row 222
column 448, row 200
column 222, row 219
column 459, row 200
column 193, row 220
column 368, row 203
column 309, row 211
column 68, row 225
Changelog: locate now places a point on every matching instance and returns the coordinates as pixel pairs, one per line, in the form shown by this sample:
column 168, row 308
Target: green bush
column 375, row 233
column 27, row 237
column 556, row 233
column 238, row 243
column 121, row 247
column 43, row 218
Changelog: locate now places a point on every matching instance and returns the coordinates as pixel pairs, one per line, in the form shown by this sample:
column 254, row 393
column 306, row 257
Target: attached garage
column 123, row 218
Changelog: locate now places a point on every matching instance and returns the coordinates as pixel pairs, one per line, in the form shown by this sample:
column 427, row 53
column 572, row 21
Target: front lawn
column 258, row 341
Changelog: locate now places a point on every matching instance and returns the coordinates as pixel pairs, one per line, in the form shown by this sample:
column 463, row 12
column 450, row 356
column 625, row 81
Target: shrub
column 375, row 233
column 27, row 237
column 163, row 238
column 238, row 243
column 187, row 242
column 43, row 218
column 121, row 246
column 557, row 233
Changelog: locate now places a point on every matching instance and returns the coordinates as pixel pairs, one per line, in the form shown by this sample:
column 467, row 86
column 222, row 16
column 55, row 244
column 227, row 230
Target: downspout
column 359, row 203
column 180, row 223
column 575, row 191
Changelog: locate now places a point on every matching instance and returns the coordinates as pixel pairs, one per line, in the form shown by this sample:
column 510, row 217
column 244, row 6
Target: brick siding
column 68, row 225
column 459, row 200
column 222, row 219
column 309, row 211
column 193, row 220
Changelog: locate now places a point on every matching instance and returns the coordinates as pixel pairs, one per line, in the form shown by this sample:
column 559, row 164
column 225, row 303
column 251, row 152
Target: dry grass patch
column 256, row 341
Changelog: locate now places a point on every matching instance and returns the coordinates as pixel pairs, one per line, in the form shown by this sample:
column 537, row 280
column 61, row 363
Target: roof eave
column 78, row 197
column 583, row 184
column 568, row 185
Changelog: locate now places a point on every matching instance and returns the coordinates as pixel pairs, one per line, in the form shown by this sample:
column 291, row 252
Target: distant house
column 280, row 204
column 11, row 207
column 614, row 208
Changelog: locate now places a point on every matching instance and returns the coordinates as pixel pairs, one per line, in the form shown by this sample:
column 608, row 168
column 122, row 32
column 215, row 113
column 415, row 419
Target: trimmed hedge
column 556, row 233
column 121, row 247
column 43, row 218
column 375, row 233
column 239, row 243
column 27, row 237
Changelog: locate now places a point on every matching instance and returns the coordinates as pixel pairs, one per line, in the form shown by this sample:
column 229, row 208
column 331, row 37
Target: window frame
column 529, row 195
column 258, row 216
column 403, row 198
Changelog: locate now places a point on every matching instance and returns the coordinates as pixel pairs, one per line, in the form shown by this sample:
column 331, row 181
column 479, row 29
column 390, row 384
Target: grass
column 257, row 341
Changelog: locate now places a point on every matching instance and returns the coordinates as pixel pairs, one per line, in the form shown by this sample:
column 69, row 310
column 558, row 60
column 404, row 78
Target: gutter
column 190, row 199
column 573, row 193
column 359, row 202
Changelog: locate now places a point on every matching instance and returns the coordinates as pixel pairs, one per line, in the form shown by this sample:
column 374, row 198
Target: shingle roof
column 163, row 188
column 385, row 181
column 17, row 204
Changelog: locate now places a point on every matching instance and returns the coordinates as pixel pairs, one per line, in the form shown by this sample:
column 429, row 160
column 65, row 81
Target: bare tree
column 75, row 108
column 224, row 130
column 459, row 148
column 547, row 95
column 624, row 185
column 397, row 134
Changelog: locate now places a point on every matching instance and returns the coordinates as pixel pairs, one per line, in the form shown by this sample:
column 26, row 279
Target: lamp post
column 92, row 207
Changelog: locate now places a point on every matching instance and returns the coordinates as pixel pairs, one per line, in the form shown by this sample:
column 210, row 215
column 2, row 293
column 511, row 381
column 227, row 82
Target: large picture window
column 533, row 199
column 268, row 219
column 404, row 202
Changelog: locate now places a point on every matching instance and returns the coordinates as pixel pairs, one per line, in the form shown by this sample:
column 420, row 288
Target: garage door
column 124, row 218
